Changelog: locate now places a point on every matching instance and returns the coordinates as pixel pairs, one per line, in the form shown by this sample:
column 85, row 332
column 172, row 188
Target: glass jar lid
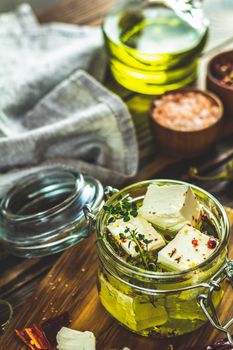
column 43, row 213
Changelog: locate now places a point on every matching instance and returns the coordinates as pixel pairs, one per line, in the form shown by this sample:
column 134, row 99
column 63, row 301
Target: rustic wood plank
column 20, row 277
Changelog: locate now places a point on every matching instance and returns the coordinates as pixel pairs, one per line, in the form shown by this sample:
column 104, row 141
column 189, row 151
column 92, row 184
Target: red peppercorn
column 168, row 237
column 223, row 72
column 204, row 217
column 195, row 242
column 211, row 244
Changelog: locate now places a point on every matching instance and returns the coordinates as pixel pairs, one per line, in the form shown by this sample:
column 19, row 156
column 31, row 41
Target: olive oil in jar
column 154, row 47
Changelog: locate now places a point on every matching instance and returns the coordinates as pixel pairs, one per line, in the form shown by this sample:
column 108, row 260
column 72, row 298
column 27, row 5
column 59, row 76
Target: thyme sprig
column 122, row 210
column 140, row 241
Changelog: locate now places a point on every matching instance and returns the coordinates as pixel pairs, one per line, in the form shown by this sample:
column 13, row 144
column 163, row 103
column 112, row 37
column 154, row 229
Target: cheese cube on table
column 188, row 249
column 170, row 206
column 70, row 339
column 142, row 227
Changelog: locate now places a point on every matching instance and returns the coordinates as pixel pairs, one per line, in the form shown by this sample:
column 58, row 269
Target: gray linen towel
column 51, row 111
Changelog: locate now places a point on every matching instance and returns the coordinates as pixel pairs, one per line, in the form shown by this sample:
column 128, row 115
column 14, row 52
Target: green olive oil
column 153, row 49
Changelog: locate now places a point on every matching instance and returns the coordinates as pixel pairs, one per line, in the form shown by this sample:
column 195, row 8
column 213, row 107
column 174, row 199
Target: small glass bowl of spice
column 186, row 122
column 220, row 79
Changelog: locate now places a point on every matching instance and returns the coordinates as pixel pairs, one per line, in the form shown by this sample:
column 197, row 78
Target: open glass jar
column 42, row 214
column 163, row 304
column 154, row 45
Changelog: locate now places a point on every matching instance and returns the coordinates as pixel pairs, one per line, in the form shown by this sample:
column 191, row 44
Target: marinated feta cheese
column 144, row 232
column 136, row 313
column 170, row 207
column 70, row 339
column 188, row 249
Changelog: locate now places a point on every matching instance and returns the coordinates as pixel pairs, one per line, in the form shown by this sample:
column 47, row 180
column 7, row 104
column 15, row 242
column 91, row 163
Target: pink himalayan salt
column 186, row 111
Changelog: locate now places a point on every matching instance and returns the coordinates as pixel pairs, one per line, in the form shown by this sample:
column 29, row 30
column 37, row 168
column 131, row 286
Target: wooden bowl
column 224, row 92
column 187, row 143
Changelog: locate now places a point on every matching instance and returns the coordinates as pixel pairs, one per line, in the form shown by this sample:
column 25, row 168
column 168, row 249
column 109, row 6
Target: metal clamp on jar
column 206, row 301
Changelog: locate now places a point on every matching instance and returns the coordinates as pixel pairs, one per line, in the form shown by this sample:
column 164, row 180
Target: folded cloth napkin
column 51, row 111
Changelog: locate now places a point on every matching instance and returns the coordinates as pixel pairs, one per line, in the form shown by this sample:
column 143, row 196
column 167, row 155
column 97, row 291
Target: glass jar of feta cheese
column 162, row 304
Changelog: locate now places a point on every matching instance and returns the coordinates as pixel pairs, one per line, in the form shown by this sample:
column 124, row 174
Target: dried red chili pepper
column 34, row 337
column 24, row 337
column 53, row 325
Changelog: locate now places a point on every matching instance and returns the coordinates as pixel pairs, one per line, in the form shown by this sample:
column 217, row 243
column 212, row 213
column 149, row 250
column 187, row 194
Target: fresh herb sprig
column 140, row 242
column 122, row 210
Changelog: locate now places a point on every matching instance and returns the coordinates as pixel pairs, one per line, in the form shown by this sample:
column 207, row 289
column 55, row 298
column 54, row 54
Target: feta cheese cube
column 70, row 339
column 170, row 207
column 142, row 227
column 188, row 249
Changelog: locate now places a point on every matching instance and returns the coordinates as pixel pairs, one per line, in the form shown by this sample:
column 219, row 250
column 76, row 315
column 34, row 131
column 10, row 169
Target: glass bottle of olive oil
column 154, row 45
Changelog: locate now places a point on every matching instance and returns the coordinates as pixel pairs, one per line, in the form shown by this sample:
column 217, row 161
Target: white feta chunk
column 142, row 227
column 70, row 339
column 170, row 207
column 188, row 249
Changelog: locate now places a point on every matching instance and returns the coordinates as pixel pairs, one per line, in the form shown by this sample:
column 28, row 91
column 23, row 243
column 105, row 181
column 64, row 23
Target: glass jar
column 42, row 213
column 162, row 304
column 154, row 44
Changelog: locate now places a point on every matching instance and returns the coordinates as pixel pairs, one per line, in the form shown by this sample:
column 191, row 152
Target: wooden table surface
column 19, row 278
